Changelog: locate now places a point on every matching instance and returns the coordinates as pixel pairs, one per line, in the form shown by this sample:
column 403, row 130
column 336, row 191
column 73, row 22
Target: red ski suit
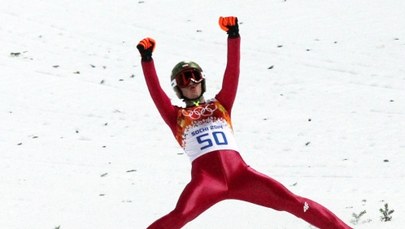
column 221, row 173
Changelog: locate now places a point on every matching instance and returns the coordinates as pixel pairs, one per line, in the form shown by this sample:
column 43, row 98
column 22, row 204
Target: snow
column 320, row 108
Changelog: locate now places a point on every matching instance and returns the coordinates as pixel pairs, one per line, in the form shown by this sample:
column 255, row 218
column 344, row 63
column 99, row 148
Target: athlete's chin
column 194, row 96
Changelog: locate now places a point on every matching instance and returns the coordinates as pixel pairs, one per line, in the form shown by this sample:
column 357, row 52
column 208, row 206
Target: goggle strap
column 174, row 82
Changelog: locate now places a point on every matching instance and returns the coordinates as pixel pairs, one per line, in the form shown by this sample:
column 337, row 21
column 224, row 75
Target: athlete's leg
column 205, row 189
column 252, row 186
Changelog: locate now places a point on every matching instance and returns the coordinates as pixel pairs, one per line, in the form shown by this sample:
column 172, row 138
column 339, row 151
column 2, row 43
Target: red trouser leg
column 206, row 188
column 249, row 185
column 195, row 199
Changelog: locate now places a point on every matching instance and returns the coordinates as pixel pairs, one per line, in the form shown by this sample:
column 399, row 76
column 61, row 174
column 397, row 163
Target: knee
column 293, row 204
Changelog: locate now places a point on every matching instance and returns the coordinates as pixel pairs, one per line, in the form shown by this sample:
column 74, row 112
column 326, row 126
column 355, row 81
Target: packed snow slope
column 320, row 107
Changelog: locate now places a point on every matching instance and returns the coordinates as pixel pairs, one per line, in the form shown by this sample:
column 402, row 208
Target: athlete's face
column 192, row 91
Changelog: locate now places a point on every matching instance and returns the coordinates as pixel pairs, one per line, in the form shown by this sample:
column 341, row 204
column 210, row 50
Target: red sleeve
column 161, row 100
column 227, row 94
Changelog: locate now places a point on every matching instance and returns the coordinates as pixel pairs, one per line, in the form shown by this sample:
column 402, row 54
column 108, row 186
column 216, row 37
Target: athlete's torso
column 204, row 128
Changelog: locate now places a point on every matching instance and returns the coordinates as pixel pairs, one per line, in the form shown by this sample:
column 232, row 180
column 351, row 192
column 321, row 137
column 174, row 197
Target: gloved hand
column 146, row 47
column 229, row 25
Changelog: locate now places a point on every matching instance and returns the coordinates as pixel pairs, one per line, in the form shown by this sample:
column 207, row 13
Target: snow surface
column 320, row 108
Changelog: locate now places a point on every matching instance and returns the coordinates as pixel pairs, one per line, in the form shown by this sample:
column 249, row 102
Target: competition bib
column 205, row 128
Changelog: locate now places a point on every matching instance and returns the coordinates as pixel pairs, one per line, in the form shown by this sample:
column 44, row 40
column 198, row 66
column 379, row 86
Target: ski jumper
column 218, row 171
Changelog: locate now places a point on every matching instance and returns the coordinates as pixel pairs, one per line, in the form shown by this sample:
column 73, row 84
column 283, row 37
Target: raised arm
column 227, row 94
column 160, row 98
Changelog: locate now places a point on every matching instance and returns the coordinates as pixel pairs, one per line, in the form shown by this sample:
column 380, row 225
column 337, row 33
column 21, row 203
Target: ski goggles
column 184, row 78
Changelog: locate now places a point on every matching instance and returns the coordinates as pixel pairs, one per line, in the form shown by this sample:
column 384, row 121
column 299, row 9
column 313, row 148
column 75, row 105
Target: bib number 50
column 209, row 139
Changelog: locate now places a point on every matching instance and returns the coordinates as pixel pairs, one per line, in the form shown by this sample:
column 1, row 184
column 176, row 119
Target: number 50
column 206, row 140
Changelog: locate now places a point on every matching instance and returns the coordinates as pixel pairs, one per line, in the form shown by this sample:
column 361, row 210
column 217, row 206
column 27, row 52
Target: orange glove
column 229, row 25
column 146, row 47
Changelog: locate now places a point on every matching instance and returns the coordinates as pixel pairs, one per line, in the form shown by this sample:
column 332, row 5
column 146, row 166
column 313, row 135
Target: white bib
column 205, row 128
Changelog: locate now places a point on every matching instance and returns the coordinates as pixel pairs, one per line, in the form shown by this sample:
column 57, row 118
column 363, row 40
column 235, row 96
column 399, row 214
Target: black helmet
column 180, row 67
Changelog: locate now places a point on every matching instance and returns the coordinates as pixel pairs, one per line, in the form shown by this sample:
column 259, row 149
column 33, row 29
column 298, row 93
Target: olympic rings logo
column 200, row 111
